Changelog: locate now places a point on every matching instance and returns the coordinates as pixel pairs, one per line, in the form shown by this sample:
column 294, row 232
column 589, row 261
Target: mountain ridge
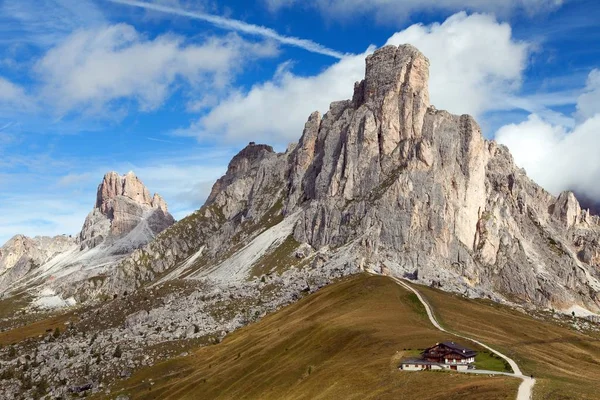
column 404, row 188
column 382, row 181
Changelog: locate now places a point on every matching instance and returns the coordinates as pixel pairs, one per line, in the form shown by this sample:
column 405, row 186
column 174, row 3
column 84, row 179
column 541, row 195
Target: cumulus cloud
column 555, row 156
column 275, row 111
column 476, row 65
column 394, row 10
column 588, row 103
column 93, row 68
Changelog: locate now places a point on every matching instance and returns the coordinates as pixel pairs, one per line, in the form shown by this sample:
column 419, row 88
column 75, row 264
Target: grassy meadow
column 343, row 342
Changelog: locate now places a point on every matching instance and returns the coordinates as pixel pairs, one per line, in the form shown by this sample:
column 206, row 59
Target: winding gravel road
column 526, row 386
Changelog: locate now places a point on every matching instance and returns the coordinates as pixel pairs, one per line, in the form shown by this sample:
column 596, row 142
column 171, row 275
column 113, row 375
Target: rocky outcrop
column 404, row 188
column 22, row 255
column 122, row 203
column 566, row 209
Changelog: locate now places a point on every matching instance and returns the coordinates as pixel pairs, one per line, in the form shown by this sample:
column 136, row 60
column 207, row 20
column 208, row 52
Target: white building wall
column 412, row 367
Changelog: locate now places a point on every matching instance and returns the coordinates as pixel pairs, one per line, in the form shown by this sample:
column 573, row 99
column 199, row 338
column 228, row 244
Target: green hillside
column 565, row 362
column 343, row 342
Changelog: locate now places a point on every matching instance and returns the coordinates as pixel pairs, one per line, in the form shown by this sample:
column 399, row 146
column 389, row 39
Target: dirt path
column 526, row 386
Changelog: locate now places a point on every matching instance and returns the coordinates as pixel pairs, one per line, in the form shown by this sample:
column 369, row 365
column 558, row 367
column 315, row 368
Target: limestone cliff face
column 385, row 181
column 122, row 203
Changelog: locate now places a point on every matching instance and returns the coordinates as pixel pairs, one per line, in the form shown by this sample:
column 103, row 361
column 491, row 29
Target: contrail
column 238, row 26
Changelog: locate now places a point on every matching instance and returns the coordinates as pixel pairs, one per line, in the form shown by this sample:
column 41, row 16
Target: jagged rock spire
column 128, row 185
column 396, row 89
column 122, row 202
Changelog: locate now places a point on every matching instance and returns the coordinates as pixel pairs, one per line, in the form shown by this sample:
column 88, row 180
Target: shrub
column 7, row 374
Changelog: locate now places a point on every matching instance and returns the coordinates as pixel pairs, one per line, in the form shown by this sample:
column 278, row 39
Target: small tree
column 118, row 352
column 56, row 333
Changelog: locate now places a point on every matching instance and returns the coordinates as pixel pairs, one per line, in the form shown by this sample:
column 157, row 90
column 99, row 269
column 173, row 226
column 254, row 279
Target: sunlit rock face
column 122, row 203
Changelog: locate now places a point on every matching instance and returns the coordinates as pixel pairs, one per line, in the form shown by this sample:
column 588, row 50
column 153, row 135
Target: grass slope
column 343, row 342
column 565, row 362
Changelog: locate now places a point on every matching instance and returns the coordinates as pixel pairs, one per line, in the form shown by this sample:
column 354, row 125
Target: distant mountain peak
column 123, row 219
column 128, row 185
column 122, row 202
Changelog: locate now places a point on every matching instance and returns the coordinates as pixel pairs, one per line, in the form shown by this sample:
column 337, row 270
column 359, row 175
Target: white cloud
column 588, row 104
column 476, row 66
column 93, row 68
column 275, row 111
column 554, row 157
column 13, row 96
column 393, row 10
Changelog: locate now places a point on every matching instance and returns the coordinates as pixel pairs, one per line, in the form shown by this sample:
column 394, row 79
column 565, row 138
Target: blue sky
column 172, row 89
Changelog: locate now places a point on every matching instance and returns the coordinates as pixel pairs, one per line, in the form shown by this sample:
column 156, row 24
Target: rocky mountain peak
column 239, row 165
column 392, row 69
column 396, row 78
column 159, row 202
column 122, row 202
column 128, row 185
column 247, row 156
column 123, row 219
